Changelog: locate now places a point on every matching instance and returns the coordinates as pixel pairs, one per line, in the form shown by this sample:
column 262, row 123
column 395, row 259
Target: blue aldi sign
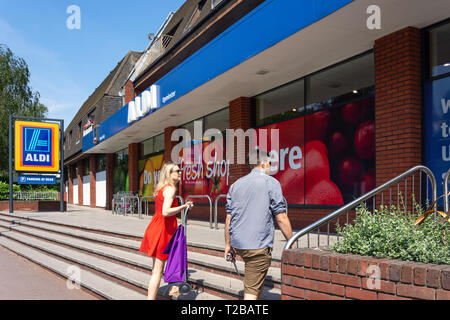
column 36, row 147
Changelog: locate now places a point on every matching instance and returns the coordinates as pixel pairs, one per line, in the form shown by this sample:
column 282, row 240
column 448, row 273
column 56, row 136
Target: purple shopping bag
column 177, row 262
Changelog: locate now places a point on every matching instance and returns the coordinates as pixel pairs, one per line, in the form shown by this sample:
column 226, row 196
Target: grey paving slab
column 135, row 277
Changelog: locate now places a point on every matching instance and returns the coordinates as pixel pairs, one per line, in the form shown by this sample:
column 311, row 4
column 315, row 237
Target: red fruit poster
column 324, row 158
column 204, row 171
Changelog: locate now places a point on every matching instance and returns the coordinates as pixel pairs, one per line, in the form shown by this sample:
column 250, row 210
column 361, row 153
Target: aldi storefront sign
column 36, row 146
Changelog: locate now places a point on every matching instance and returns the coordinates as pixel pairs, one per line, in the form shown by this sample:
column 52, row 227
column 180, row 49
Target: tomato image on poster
column 327, row 157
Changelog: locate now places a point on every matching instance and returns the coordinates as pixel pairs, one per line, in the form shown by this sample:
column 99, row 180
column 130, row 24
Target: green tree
column 16, row 97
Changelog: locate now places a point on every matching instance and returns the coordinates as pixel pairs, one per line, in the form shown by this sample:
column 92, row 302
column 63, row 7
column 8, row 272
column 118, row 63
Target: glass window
column 86, row 167
column 349, row 80
column 190, row 127
column 120, row 175
column 159, row 143
column 101, row 163
column 147, row 146
column 282, row 103
column 439, row 38
column 218, row 120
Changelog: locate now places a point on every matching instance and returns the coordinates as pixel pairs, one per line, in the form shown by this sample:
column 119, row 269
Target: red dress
column 160, row 230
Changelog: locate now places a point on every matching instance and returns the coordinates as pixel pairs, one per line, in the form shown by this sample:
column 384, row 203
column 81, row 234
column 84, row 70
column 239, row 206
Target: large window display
column 210, row 176
column 437, row 101
column 120, row 175
column 326, row 154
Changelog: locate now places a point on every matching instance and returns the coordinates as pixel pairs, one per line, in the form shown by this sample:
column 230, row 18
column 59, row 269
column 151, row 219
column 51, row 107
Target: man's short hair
column 256, row 157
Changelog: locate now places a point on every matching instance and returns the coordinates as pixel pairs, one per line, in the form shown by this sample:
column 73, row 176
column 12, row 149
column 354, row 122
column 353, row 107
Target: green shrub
column 392, row 234
column 4, row 190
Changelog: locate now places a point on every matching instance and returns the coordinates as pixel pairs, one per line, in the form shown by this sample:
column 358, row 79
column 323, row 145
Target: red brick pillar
column 70, row 169
column 168, row 143
column 240, row 118
column 129, row 92
column 92, row 179
column 133, row 158
column 109, row 179
column 80, row 167
column 398, row 105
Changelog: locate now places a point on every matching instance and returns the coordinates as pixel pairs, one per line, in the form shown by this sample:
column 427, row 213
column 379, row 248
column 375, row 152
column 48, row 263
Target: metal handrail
column 122, row 199
column 153, row 197
column 216, row 201
column 446, row 178
column 146, row 207
column 361, row 199
column 210, row 205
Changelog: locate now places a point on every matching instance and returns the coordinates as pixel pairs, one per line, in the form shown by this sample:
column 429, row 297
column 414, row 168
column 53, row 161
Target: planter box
column 324, row 275
column 37, row 206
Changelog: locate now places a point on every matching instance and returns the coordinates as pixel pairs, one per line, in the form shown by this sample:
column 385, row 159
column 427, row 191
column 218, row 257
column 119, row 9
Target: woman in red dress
column 163, row 224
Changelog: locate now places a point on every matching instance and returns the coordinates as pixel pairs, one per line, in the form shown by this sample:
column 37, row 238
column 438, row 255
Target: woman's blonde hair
column 164, row 176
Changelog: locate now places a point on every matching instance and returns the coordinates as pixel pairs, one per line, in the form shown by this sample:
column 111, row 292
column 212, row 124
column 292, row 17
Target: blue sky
column 66, row 65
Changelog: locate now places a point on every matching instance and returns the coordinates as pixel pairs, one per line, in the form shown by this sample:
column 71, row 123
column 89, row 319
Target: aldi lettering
column 142, row 104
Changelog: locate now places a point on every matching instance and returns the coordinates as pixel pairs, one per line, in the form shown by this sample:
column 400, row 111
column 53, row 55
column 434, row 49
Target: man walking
column 253, row 202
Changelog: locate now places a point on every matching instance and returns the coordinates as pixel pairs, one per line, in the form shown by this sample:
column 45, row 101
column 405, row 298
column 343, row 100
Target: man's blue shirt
column 252, row 202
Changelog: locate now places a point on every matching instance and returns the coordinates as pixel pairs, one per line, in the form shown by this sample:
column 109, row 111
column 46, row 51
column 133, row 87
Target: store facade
column 351, row 105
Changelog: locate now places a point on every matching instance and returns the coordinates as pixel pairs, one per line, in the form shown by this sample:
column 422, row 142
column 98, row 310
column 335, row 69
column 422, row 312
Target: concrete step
column 210, row 259
column 67, row 237
column 134, row 280
column 221, row 285
column 88, row 280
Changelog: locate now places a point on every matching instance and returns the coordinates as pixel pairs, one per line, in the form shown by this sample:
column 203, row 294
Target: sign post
column 38, row 149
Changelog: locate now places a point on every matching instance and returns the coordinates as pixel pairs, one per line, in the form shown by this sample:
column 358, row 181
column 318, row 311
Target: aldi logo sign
column 36, row 146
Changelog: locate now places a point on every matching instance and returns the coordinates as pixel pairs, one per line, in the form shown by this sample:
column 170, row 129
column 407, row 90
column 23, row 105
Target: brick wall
column 322, row 275
column 133, row 158
column 34, row 206
column 240, row 118
column 70, row 182
column 398, row 103
column 93, row 179
column 109, row 180
column 80, row 181
column 129, row 91
column 168, row 143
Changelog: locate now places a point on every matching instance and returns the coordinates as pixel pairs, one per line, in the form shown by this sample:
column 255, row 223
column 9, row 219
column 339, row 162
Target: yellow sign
column 36, row 146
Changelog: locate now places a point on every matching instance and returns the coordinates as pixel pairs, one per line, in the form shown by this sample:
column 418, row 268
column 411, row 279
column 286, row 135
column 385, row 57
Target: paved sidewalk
column 198, row 232
column 21, row 279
